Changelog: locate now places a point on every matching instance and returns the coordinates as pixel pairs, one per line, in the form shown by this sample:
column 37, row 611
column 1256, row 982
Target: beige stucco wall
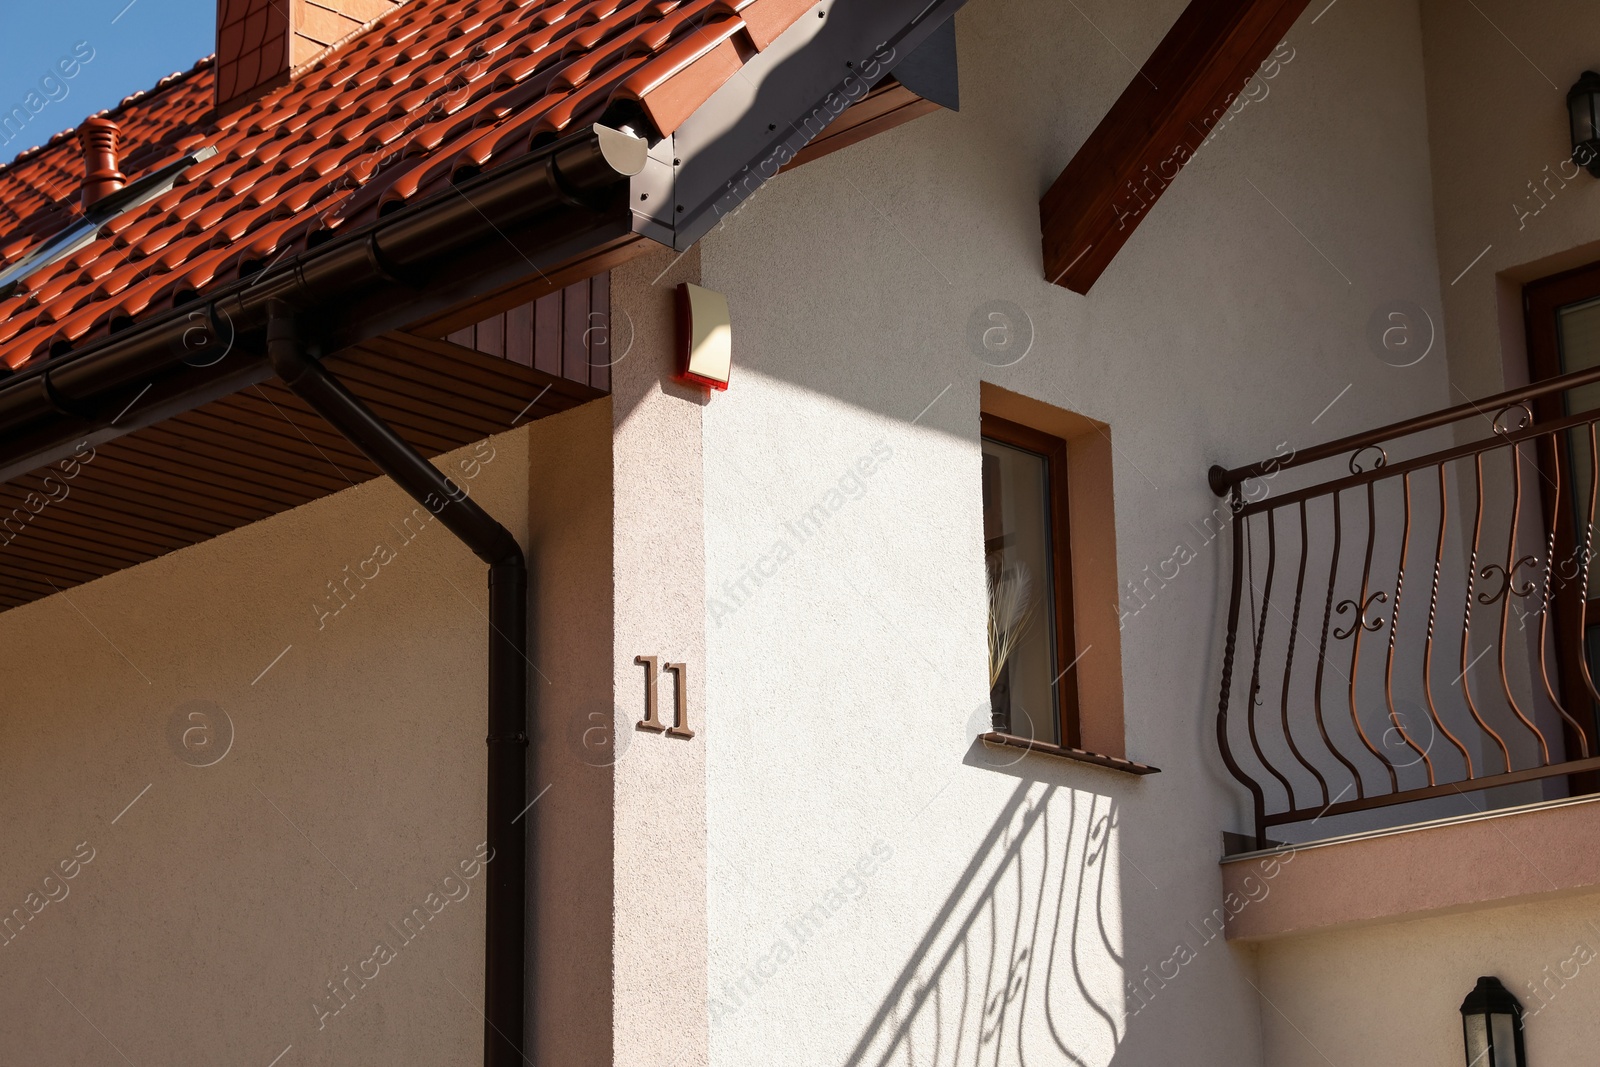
column 1497, row 80
column 880, row 890
column 659, row 911
column 570, row 517
column 354, row 786
column 1392, row 994
column 218, row 907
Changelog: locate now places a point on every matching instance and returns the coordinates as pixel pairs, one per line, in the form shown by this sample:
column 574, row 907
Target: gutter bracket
column 513, row 739
column 60, row 403
column 384, row 268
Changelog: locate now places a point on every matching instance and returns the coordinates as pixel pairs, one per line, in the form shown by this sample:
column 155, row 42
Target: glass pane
column 1505, row 1041
column 1582, row 114
column 1591, row 645
column 1477, row 1041
column 1578, row 333
column 1016, row 534
column 1578, row 338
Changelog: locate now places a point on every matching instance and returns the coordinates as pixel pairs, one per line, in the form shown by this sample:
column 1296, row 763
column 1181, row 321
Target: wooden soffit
column 261, row 451
column 1156, row 126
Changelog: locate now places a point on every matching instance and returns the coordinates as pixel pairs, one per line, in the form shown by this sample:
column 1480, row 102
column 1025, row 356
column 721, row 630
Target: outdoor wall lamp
column 1491, row 1019
column 1583, row 108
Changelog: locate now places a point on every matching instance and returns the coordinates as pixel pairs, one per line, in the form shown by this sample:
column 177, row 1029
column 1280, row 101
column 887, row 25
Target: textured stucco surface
column 1476, row 863
column 1005, row 906
column 1403, row 985
column 569, row 547
column 218, row 907
column 831, row 872
column 659, row 796
column 1498, row 133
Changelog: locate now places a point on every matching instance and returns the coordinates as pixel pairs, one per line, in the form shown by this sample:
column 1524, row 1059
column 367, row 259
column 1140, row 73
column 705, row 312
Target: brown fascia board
column 890, row 104
column 1157, row 125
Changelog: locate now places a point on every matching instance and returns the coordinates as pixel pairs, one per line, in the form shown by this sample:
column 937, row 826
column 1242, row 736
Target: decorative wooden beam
column 1156, row 126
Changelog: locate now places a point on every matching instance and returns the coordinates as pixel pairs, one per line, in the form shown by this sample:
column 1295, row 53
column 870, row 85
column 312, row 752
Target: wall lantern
column 1491, row 1019
column 1583, row 107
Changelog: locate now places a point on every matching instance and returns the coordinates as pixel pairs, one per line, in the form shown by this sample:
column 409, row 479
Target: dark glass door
column 1563, row 315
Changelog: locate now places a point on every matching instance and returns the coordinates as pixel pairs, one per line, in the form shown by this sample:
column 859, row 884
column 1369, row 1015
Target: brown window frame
column 1541, row 301
column 1054, row 451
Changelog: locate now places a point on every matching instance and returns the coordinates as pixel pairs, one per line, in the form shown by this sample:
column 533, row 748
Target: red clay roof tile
column 432, row 89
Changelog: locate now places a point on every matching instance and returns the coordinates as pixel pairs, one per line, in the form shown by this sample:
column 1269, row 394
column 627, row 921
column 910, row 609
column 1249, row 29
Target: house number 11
column 680, row 698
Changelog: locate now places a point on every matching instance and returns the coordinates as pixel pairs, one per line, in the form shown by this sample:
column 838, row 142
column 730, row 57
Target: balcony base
column 1492, row 859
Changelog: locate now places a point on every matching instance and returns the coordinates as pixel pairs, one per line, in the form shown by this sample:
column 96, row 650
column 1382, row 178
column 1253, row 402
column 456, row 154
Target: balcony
column 1409, row 622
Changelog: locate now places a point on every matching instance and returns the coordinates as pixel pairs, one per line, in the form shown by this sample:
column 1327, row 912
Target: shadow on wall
column 1023, row 961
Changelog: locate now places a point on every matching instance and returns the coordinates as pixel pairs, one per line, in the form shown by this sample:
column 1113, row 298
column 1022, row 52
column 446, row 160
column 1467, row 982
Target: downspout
column 505, row 926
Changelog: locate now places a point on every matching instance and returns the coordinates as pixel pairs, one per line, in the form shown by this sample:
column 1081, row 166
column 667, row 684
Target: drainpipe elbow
column 510, row 557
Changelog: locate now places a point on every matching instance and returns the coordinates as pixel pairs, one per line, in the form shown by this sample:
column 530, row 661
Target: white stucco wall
column 960, row 912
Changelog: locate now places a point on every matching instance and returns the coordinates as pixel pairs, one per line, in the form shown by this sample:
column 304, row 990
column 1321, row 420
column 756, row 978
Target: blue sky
column 133, row 46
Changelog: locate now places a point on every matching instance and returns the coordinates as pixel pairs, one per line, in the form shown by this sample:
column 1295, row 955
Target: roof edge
column 364, row 279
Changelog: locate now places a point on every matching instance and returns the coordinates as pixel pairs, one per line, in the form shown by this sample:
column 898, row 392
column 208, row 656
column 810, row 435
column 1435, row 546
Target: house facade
column 867, row 705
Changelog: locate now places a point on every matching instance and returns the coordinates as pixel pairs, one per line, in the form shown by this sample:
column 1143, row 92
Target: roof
column 431, row 91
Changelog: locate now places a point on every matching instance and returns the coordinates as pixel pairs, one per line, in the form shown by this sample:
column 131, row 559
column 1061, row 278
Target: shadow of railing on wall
column 1023, row 961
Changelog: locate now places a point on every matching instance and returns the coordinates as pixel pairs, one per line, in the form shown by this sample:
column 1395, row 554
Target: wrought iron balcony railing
column 1416, row 611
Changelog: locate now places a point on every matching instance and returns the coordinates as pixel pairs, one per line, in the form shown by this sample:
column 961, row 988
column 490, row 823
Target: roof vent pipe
column 101, row 177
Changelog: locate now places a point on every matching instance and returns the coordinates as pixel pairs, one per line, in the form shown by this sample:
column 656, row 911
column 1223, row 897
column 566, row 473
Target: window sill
column 1115, row 763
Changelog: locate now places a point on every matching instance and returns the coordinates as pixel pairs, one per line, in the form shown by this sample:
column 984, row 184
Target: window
column 1032, row 677
column 1056, row 629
